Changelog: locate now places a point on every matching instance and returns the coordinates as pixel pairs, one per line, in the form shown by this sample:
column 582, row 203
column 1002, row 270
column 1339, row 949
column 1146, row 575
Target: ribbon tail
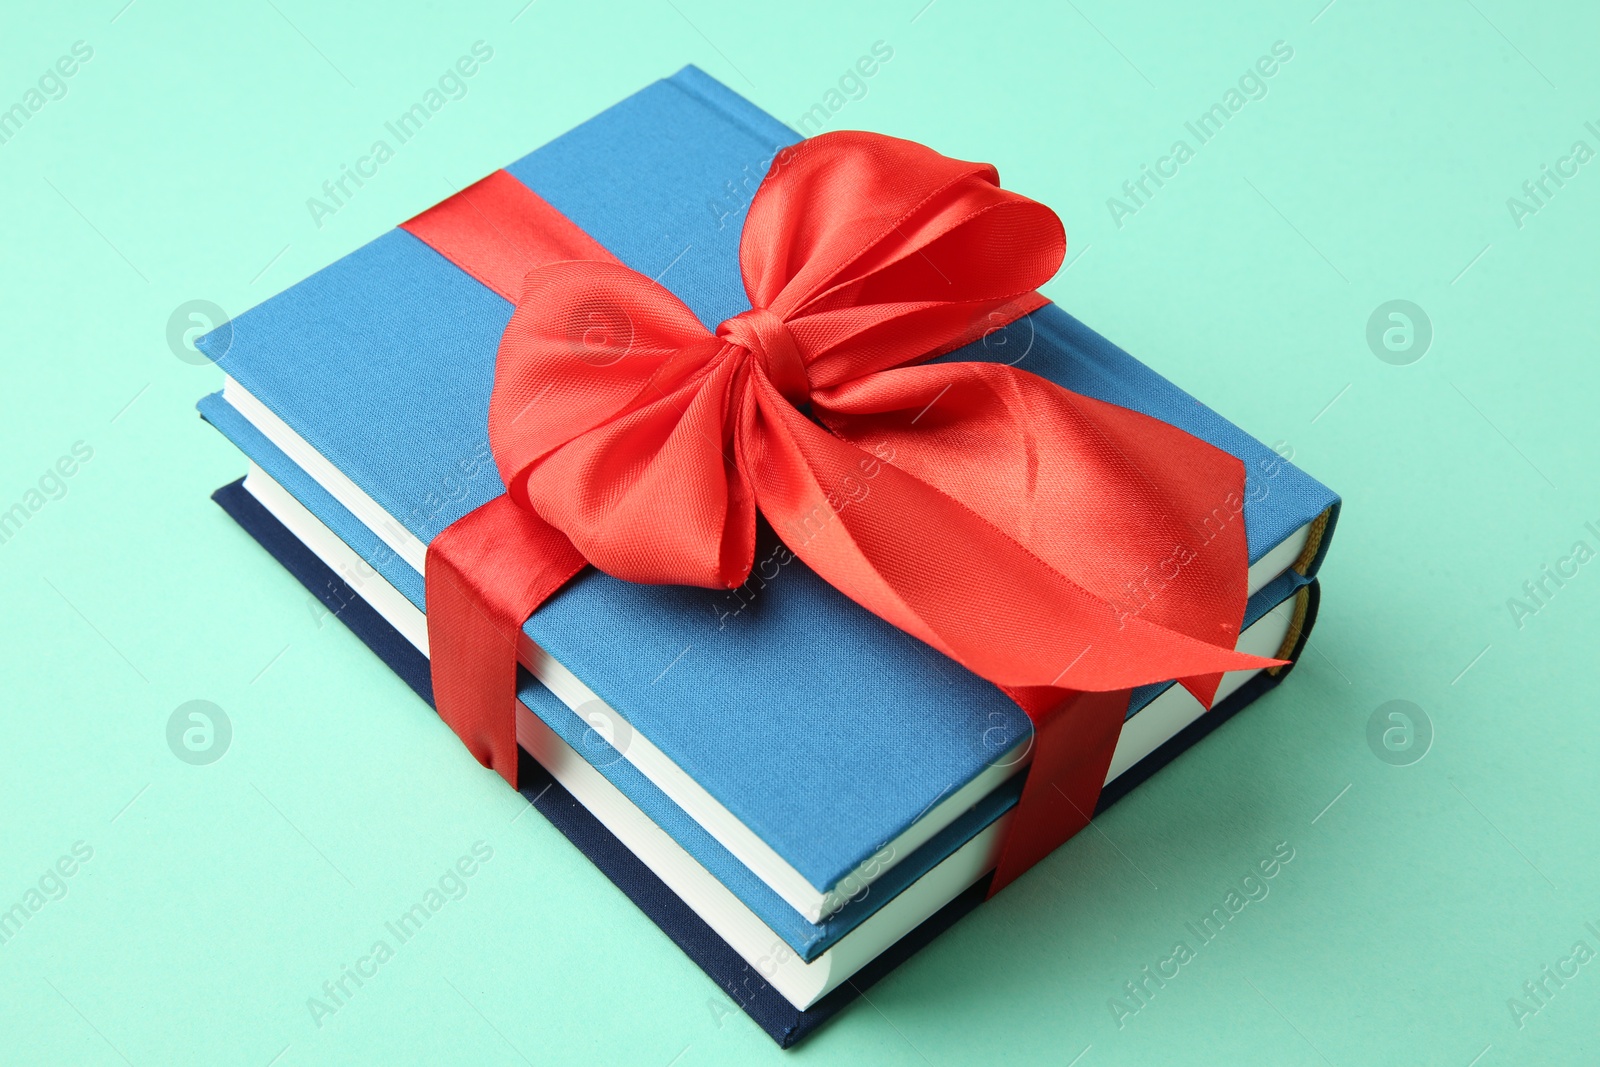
column 1141, row 514
column 932, row 566
column 485, row 574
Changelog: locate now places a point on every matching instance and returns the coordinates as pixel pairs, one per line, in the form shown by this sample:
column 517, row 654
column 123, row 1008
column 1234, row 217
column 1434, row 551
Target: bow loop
column 608, row 400
column 879, row 251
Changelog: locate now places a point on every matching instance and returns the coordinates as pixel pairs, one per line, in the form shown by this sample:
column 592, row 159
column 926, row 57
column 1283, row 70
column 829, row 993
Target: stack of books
column 797, row 793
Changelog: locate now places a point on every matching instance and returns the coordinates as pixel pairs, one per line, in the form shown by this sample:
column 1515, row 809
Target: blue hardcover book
column 817, row 957
column 816, row 764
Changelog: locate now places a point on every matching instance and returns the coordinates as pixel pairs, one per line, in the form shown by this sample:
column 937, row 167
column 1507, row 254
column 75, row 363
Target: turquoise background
column 1421, row 897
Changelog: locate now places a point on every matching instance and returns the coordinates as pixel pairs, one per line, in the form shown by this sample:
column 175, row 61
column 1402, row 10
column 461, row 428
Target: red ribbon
column 1005, row 521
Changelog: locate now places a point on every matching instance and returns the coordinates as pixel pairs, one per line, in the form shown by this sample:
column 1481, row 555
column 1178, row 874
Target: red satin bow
column 1009, row 523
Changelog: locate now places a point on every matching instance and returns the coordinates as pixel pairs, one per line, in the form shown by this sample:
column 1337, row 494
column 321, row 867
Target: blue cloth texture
column 823, row 729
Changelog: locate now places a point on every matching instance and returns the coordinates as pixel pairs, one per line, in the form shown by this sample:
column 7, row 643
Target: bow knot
column 772, row 349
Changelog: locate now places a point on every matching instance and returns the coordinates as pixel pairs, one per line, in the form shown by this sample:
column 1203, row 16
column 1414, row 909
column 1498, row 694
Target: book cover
column 383, row 364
